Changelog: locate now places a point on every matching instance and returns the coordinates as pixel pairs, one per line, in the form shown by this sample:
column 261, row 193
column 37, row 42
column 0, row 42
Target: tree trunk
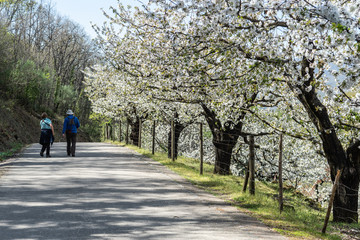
column 110, row 132
column 107, row 131
column 127, row 132
column 345, row 208
column 224, row 140
column 178, row 129
column 120, row 131
column 134, row 135
column 346, row 198
column 140, row 132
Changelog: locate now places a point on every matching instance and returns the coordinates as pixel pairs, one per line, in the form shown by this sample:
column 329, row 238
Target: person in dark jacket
column 47, row 134
column 71, row 124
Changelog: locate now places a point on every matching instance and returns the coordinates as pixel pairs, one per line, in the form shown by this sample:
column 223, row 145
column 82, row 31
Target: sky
column 85, row 11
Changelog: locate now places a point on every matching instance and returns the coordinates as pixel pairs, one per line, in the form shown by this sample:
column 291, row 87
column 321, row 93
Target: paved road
column 110, row 192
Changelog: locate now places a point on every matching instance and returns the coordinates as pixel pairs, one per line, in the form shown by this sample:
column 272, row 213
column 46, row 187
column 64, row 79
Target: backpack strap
column 45, row 122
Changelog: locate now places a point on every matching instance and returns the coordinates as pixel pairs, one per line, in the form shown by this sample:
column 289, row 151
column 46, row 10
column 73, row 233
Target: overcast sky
column 86, row 11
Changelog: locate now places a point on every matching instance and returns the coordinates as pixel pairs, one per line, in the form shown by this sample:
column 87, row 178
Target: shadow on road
column 107, row 192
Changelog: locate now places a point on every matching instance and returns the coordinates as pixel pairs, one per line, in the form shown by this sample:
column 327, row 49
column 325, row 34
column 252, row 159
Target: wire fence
column 312, row 180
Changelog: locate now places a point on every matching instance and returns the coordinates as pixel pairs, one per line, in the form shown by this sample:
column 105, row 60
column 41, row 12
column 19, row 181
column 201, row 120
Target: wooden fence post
column 153, row 138
column 172, row 140
column 120, row 131
column 252, row 166
column 281, row 204
column 107, row 131
column 336, row 183
column 127, row 133
column 246, row 180
column 111, row 132
column 104, row 132
column 201, row 149
column 140, row 129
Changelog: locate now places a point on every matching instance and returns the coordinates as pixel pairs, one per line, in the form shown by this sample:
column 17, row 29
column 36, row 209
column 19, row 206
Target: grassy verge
column 301, row 218
column 16, row 147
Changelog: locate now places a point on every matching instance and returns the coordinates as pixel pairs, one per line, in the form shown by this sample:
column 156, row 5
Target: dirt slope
column 20, row 126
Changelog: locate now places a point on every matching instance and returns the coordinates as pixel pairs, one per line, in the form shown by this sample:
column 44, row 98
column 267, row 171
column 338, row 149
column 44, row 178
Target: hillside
column 20, row 126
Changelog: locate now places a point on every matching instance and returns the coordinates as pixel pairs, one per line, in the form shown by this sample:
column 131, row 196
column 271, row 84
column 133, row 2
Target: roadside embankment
column 19, row 127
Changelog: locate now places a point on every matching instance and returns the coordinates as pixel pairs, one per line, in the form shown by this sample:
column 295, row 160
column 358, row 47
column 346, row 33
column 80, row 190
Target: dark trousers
column 71, row 143
column 45, row 146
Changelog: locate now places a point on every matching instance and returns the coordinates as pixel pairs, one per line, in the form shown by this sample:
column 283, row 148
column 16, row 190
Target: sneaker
column 48, row 156
column 41, row 154
column 73, row 155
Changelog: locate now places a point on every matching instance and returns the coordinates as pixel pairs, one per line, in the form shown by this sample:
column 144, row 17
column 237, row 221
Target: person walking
column 47, row 134
column 71, row 124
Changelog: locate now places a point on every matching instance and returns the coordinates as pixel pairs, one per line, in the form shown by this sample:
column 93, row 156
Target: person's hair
column 44, row 115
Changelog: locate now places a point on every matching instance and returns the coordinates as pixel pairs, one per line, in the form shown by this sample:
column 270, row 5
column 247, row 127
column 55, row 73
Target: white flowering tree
column 301, row 40
column 173, row 63
column 235, row 57
column 112, row 97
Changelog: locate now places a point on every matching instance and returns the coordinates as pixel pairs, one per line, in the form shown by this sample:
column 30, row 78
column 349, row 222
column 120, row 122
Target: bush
column 33, row 87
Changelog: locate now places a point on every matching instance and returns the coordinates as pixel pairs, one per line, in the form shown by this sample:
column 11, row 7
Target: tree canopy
column 250, row 68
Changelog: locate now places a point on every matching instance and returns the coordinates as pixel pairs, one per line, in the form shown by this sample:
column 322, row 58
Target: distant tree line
column 42, row 56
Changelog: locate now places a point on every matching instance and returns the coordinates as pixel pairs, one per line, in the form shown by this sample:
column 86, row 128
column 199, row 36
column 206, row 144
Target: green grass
column 16, row 147
column 298, row 220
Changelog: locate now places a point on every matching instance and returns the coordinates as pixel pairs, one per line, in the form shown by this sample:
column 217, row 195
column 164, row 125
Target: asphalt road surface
column 110, row 192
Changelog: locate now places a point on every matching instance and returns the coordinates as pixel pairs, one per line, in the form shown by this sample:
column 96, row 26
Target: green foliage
column 357, row 46
column 16, row 147
column 30, row 84
column 5, row 53
column 94, row 127
column 8, row 2
column 38, row 73
column 338, row 27
column 66, row 97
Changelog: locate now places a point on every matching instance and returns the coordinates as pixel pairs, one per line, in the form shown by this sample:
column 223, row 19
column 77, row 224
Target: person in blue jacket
column 71, row 124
